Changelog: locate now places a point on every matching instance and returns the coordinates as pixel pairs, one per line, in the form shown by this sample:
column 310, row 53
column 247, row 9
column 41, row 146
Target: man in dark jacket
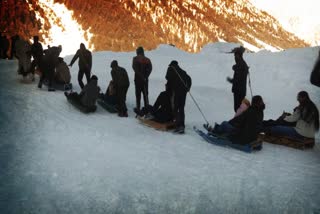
column 4, row 47
column 239, row 80
column 162, row 110
column 142, row 69
column 37, row 54
column 244, row 128
column 48, row 65
column 180, row 83
column 85, row 63
column 315, row 75
column 121, row 83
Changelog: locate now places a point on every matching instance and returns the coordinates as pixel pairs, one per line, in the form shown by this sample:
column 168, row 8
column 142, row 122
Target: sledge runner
column 85, row 63
column 179, row 82
column 239, row 80
column 142, row 68
column 242, row 129
column 86, row 100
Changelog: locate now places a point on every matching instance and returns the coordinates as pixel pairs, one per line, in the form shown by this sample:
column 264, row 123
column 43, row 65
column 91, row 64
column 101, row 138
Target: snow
column 55, row 159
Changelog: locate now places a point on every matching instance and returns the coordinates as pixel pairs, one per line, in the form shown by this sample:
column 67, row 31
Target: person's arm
column 75, row 57
column 294, row 117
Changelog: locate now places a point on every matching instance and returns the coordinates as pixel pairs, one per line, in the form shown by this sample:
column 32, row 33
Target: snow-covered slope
column 54, row 159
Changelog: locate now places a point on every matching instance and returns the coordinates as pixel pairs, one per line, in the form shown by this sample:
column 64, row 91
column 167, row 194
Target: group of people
column 169, row 106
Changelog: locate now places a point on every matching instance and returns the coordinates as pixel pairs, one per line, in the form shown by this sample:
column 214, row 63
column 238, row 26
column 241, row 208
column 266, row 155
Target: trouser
column 142, row 89
column 82, row 72
column 286, row 131
column 237, row 99
column 35, row 63
column 24, row 65
column 48, row 74
column 162, row 116
column 121, row 99
column 224, row 128
column 179, row 103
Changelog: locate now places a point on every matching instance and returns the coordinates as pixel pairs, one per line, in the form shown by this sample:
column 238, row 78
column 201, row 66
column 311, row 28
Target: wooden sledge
column 156, row 125
column 79, row 106
column 303, row 144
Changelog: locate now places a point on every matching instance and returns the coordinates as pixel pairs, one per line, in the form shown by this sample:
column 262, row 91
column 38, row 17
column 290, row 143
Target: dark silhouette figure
column 142, row 69
column 85, row 63
column 37, row 54
column 239, row 80
column 48, row 64
column 13, row 46
column 179, row 82
column 4, row 47
column 121, row 84
column 315, row 74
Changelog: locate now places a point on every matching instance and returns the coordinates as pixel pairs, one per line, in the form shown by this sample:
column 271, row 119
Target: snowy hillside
column 54, row 159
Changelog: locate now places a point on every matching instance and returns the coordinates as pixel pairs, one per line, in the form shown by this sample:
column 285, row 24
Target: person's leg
column 80, row 76
column 138, row 90
column 285, row 131
column 87, row 74
column 145, row 93
column 224, row 128
column 237, row 100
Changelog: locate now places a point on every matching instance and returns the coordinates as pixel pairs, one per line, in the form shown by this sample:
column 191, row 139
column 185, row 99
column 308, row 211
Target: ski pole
column 250, row 85
column 195, row 102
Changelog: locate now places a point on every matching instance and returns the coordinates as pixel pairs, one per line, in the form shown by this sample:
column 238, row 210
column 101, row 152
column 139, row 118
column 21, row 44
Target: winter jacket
column 120, row 77
column 247, row 125
column 304, row 128
column 90, row 93
column 239, row 81
column 62, row 73
column 142, row 69
column 23, row 52
column 178, row 80
column 85, row 59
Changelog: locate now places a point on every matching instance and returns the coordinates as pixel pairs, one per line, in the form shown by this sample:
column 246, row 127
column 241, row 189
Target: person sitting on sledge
column 243, row 129
column 62, row 74
column 110, row 95
column 162, row 110
column 89, row 94
column 305, row 117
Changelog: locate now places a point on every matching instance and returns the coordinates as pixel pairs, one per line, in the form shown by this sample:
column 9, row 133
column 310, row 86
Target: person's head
column 36, row 39
column 140, row 51
column 174, row 63
column 257, row 102
column 238, row 53
column 114, row 64
column 303, row 97
column 94, row 78
column 82, row 47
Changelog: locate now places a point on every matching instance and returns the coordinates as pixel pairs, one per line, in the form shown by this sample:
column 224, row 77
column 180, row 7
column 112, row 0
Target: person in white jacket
column 306, row 116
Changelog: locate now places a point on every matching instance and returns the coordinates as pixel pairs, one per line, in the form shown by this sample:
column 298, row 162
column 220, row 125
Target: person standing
column 85, row 63
column 315, row 74
column 121, row 83
column 180, row 83
column 37, row 54
column 239, row 80
column 142, row 68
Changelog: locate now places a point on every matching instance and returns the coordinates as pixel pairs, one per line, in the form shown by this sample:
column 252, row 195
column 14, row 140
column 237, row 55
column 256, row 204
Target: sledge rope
column 195, row 102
